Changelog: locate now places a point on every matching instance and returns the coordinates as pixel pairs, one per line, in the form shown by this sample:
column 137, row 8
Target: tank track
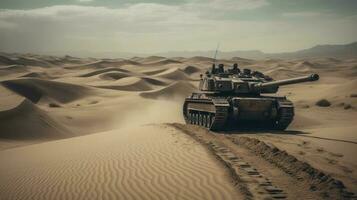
column 218, row 120
column 211, row 120
column 285, row 114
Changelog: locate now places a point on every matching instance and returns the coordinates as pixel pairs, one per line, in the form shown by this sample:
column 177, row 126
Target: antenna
column 215, row 54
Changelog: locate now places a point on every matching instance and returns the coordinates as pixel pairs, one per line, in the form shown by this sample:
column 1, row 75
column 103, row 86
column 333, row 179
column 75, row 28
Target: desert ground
column 89, row 128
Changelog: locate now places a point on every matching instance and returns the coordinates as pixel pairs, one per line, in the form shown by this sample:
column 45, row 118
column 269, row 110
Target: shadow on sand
column 250, row 130
column 257, row 131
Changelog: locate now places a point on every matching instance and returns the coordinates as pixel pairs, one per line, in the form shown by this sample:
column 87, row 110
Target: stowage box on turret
column 231, row 98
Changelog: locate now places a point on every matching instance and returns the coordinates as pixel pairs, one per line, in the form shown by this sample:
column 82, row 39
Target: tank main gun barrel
column 311, row 77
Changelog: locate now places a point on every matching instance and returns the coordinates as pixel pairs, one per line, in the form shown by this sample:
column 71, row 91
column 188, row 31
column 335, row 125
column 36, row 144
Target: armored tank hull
column 221, row 113
column 234, row 98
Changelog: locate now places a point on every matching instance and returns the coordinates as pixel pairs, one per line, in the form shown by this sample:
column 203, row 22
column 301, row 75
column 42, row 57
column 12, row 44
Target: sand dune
column 23, row 60
column 70, row 60
column 242, row 61
column 162, row 62
column 30, row 61
column 36, row 89
column 136, row 58
column 47, row 98
column 191, row 69
column 283, row 73
column 174, row 74
column 155, row 81
column 128, row 84
column 41, row 75
column 141, row 163
column 28, row 122
column 96, row 72
column 149, row 59
column 103, row 64
column 154, row 60
column 271, row 61
column 175, row 90
column 153, row 72
column 181, row 59
column 12, row 69
column 342, row 94
column 4, row 60
column 113, row 75
column 199, row 59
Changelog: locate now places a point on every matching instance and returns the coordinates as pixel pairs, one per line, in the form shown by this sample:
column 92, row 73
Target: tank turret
column 234, row 97
column 245, row 82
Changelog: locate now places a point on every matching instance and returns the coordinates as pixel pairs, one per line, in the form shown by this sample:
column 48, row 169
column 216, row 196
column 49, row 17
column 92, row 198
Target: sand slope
column 21, row 119
column 35, row 89
column 27, row 121
column 147, row 162
column 175, row 90
column 127, row 84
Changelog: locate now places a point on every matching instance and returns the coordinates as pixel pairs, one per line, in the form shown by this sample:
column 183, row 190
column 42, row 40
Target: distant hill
column 328, row 50
column 336, row 51
column 253, row 54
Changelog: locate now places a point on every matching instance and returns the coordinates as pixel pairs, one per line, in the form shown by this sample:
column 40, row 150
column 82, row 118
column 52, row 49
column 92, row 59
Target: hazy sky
column 149, row 26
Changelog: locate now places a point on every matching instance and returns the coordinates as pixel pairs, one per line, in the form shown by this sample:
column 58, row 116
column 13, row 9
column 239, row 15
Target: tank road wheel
column 285, row 117
column 195, row 118
column 210, row 120
column 190, row 120
column 219, row 118
column 198, row 119
column 208, row 124
column 202, row 119
column 205, row 120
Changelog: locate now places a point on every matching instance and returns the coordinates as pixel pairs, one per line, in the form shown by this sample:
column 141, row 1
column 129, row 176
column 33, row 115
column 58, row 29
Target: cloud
column 153, row 27
column 85, row 1
column 225, row 5
column 302, row 14
column 145, row 17
column 82, row 27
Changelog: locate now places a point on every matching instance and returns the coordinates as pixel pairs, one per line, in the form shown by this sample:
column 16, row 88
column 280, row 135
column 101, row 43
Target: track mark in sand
column 249, row 180
column 331, row 161
column 250, row 160
column 332, row 139
column 324, row 184
column 335, row 154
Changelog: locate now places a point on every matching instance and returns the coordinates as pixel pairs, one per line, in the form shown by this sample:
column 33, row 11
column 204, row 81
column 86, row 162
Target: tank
column 236, row 98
